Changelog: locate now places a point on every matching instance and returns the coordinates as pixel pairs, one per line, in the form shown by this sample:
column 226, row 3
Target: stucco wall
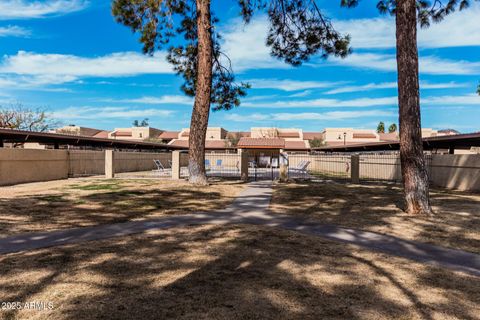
column 139, row 161
column 460, row 172
column 28, row 165
column 86, row 163
column 454, row 171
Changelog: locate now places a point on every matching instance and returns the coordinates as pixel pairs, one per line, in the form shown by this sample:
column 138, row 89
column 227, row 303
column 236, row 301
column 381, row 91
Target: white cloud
column 324, row 103
column 457, row 30
column 391, row 85
column 112, row 65
column 469, row 99
column 22, row 9
column 428, row 64
column 447, row 85
column 167, row 99
column 333, row 115
column 92, row 113
column 301, row 94
column 247, row 118
column 435, row 65
column 14, row 31
column 245, row 45
column 365, row 87
column 44, row 69
column 290, row 85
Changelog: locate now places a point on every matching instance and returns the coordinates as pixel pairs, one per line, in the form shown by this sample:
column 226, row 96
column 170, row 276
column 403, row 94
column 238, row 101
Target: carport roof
column 459, row 141
column 261, row 143
column 19, row 136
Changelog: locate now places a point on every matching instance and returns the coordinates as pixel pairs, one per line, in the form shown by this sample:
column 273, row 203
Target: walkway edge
column 252, row 207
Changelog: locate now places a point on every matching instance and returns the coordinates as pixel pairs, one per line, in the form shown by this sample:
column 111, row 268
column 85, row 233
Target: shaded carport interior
column 450, row 143
column 259, row 149
column 56, row 140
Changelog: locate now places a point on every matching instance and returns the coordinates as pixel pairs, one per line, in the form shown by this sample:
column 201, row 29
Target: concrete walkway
column 251, row 207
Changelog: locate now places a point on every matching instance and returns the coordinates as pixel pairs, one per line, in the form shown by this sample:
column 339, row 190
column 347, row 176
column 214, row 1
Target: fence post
column 355, row 168
column 283, row 159
column 109, row 164
column 176, row 165
column 244, row 165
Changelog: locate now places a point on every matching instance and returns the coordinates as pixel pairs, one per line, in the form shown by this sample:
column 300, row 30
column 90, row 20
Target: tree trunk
column 201, row 107
column 414, row 173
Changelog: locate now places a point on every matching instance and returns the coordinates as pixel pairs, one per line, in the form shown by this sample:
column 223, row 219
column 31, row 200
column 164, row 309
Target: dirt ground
column 83, row 202
column 377, row 208
column 235, row 272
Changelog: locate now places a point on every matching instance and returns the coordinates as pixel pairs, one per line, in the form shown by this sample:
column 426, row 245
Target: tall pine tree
column 298, row 29
column 408, row 13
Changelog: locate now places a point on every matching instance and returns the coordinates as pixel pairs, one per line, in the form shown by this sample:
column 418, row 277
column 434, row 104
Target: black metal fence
column 216, row 165
column 338, row 166
column 315, row 167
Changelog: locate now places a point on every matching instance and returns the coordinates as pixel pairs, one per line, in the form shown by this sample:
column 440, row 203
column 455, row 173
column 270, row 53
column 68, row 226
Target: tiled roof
column 312, row 135
column 102, row 134
column 334, row 143
column 261, row 143
column 289, row 134
column 295, row 145
column 364, row 136
column 169, row 135
column 209, row 144
column 186, row 133
column 122, row 134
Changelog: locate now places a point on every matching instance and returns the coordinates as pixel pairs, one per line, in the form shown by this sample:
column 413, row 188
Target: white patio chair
column 301, row 169
column 160, row 168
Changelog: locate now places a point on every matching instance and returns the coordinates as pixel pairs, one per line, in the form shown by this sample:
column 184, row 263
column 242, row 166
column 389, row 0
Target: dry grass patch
column 236, row 272
column 86, row 202
column 377, row 208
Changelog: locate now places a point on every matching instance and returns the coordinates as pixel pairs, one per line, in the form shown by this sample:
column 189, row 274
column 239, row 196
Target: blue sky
column 71, row 57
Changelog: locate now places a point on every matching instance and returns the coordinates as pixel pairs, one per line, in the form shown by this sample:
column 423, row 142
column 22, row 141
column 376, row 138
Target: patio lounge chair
column 299, row 165
column 159, row 165
column 160, row 168
column 301, row 168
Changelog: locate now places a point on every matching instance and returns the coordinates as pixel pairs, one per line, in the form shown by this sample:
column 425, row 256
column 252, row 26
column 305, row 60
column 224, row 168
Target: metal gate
column 264, row 167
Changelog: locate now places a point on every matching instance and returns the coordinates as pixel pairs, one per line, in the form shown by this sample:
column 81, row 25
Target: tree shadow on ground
column 103, row 204
column 231, row 272
column 376, row 207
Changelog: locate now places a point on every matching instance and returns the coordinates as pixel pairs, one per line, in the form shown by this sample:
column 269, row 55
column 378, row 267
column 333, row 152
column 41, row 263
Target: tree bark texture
column 414, row 171
column 201, row 107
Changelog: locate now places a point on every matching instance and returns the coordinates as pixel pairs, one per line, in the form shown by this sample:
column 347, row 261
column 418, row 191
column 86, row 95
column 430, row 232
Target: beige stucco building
column 135, row 133
column 81, row 131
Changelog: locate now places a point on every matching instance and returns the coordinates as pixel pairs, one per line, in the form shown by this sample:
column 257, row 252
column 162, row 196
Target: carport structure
column 57, row 141
column 262, row 152
column 448, row 143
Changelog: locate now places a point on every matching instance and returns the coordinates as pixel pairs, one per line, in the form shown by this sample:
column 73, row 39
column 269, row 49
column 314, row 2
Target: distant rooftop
column 261, row 143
